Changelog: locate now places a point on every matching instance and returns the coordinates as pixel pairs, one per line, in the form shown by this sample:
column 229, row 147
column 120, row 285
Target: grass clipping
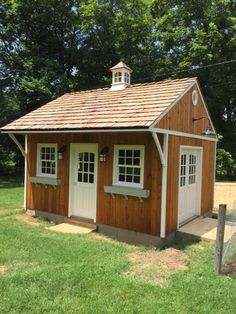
column 154, row 267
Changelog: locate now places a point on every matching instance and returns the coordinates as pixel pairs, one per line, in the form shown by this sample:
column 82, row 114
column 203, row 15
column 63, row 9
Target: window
column 47, row 160
column 192, row 169
column 86, row 167
column 128, row 165
column 183, row 170
column 118, row 77
column 126, row 77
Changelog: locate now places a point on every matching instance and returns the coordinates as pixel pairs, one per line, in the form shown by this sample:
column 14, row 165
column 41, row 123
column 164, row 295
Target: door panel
column 189, row 184
column 83, row 180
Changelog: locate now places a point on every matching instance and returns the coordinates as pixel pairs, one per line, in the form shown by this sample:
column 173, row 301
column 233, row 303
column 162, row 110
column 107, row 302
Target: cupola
column 120, row 76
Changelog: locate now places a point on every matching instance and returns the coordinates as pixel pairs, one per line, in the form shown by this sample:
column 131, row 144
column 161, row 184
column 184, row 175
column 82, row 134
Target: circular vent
column 194, row 97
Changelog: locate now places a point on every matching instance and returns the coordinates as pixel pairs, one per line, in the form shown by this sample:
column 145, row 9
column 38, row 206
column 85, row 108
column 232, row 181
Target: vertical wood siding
column 179, row 118
column 130, row 214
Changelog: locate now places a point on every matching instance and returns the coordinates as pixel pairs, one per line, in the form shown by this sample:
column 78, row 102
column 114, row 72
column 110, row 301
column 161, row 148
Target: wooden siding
column 129, row 214
column 207, row 180
column 179, row 118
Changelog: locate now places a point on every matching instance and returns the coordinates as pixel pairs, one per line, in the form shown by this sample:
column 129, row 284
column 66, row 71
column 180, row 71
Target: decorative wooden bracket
column 12, row 136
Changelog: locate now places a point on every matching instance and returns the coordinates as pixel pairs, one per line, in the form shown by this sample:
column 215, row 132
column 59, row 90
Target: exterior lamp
column 60, row 152
column 209, row 131
column 103, row 153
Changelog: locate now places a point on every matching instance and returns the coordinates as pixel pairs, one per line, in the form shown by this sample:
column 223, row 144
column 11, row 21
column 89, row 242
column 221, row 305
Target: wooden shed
column 137, row 160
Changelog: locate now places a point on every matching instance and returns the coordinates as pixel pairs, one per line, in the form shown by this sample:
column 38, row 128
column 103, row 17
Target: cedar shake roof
column 137, row 106
column 120, row 65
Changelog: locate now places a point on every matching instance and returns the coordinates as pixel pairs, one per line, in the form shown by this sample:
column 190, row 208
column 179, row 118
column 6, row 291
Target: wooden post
column 220, row 237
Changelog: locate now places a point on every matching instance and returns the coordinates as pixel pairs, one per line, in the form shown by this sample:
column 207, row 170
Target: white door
column 83, row 180
column 189, row 183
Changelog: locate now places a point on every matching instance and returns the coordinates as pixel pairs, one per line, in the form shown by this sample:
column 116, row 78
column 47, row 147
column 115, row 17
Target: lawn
column 46, row 272
column 11, row 193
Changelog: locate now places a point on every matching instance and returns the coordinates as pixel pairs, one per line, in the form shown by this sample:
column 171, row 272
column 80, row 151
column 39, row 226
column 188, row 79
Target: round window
column 194, row 97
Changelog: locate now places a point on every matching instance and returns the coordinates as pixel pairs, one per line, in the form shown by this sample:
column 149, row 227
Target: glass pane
column 86, row 167
column 136, row 153
column 91, row 167
column 121, row 153
column 129, row 153
column 91, row 177
column 86, row 156
column 92, row 157
column 121, row 177
column 121, row 170
column 128, row 161
column 136, row 161
column 137, row 171
column 129, row 170
column 136, row 179
column 79, row 177
column 121, row 161
column 128, row 178
column 85, row 177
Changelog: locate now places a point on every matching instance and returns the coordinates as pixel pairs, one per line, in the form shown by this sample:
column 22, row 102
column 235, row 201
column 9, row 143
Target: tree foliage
column 51, row 47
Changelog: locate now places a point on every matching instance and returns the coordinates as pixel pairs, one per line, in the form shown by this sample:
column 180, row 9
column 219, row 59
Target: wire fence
column 229, row 246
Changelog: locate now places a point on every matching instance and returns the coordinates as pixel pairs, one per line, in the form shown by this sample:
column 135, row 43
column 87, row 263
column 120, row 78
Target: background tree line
column 49, row 47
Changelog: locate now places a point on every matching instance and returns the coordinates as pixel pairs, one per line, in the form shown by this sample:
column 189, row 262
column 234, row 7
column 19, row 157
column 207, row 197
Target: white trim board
column 151, row 129
column 183, row 134
column 26, row 171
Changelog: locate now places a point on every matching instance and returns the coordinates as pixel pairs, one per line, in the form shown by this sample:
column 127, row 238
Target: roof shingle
column 138, row 106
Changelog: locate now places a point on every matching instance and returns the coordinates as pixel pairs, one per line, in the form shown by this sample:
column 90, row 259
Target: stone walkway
column 69, row 228
column 205, row 229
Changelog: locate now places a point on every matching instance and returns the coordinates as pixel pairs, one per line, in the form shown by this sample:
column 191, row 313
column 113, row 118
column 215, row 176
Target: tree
column 191, row 34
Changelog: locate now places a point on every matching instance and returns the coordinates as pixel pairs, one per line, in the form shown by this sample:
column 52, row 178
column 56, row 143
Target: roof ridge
column 91, row 90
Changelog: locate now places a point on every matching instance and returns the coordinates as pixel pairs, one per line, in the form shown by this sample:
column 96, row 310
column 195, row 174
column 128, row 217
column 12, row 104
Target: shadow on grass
column 11, row 182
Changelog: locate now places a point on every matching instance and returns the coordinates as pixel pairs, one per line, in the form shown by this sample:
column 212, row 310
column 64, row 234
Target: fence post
column 220, row 237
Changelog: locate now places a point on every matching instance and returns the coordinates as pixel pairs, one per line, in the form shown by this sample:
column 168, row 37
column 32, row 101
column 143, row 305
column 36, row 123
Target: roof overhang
column 150, row 129
column 106, row 130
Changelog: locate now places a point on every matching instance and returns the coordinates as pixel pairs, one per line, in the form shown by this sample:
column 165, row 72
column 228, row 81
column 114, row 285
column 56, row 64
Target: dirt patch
column 3, row 269
column 101, row 237
column 155, row 266
column 29, row 220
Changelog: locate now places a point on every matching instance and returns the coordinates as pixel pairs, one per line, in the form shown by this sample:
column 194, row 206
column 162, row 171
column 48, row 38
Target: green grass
column 11, row 194
column 48, row 272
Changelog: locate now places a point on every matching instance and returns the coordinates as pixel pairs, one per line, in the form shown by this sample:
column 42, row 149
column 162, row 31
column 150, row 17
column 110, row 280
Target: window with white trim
column 128, row 165
column 118, row 77
column 127, row 78
column 47, row 160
